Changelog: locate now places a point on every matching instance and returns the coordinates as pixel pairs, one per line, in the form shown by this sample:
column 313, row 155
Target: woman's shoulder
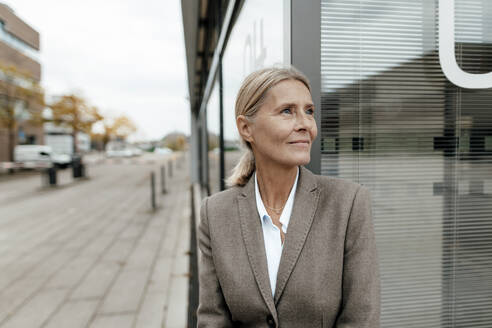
column 335, row 182
column 341, row 192
column 339, row 186
column 222, row 198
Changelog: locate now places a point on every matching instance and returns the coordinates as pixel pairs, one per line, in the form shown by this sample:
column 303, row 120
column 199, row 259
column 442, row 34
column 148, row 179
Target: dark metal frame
column 305, row 29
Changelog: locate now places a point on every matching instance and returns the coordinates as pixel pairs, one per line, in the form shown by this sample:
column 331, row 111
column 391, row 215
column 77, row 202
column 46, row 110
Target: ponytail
column 243, row 169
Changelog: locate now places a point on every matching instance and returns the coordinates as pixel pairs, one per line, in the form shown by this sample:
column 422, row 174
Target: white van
column 61, row 148
column 32, row 156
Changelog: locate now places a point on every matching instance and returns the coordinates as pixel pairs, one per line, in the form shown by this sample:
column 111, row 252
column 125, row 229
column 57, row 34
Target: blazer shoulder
column 221, row 201
column 341, row 190
column 337, row 184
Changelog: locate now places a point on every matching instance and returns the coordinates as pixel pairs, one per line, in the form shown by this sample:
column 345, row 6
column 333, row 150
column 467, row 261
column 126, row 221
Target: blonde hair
column 250, row 98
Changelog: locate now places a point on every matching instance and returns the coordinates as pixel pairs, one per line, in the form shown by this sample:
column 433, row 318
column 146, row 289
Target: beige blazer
column 328, row 274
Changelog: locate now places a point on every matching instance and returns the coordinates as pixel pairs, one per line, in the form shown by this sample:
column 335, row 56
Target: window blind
column 391, row 120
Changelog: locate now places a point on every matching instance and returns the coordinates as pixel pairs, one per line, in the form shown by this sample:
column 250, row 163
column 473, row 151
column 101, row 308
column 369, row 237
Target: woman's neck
column 275, row 183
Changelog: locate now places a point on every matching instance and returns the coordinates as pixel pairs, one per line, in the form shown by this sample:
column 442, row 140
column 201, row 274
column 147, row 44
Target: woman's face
column 284, row 128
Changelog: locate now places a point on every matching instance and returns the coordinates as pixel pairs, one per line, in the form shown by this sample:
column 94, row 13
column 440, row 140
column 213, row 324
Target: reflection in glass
column 255, row 42
column 391, row 121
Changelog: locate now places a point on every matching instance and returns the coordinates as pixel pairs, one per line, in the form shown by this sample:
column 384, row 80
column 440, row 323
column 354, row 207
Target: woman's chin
column 300, row 160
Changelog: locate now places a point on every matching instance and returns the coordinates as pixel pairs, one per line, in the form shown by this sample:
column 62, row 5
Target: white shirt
column 271, row 233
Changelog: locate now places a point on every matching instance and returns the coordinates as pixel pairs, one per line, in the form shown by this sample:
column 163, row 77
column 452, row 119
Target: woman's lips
column 300, row 143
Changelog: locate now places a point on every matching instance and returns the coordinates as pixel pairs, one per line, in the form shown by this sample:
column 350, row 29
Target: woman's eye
column 286, row 110
column 310, row 111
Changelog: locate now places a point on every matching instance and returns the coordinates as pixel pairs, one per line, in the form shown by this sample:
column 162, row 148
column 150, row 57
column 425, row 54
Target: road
column 92, row 252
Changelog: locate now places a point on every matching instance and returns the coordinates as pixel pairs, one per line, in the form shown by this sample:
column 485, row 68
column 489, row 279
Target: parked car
column 32, row 156
column 162, row 150
column 119, row 153
column 121, row 149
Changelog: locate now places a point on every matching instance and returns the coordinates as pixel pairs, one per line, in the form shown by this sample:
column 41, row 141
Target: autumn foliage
column 18, row 90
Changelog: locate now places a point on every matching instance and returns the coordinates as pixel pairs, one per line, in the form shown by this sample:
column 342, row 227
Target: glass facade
column 392, row 121
column 256, row 41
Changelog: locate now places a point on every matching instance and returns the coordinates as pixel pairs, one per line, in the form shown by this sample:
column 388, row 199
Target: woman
column 284, row 247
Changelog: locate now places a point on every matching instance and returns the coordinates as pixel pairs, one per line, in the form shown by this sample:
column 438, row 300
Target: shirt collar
column 286, row 212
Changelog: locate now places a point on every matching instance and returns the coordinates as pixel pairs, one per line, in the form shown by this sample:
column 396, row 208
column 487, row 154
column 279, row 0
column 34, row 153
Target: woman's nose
column 303, row 121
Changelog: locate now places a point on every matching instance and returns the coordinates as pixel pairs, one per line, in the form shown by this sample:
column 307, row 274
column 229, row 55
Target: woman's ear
column 244, row 128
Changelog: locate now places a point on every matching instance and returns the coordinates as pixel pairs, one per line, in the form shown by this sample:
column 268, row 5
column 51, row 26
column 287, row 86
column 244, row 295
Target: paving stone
column 52, row 264
column 169, row 244
column 126, row 292
column 142, row 257
column 154, row 233
column 97, row 281
column 98, row 245
column 70, row 275
column 151, row 314
column 159, row 222
column 83, row 238
column 115, row 228
column 113, row 321
column 176, row 314
column 159, row 281
column 13, row 272
column 177, row 305
column 103, row 259
column 17, row 293
column 182, row 260
column 132, row 232
column 37, row 310
column 73, row 314
column 16, row 256
column 119, row 251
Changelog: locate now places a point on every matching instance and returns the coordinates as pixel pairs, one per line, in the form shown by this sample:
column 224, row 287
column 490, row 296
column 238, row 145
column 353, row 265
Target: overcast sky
column 124, row 56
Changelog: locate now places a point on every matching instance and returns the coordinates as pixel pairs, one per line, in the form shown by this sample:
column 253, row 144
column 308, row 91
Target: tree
column 74, row 112
column 213, row 141
column 122, row 127
column 119, row 127
column 19, row 93
column 175, row 141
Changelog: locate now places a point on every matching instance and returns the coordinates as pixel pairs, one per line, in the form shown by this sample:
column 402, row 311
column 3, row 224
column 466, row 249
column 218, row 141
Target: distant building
column 19, row 48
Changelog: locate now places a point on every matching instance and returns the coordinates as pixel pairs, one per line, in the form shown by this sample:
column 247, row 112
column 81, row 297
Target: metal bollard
column 77, row 166
column 152, row 190
column 163, row 179
column 82, row 170
column 170, row 164
column 50, row 176
column 180, row 161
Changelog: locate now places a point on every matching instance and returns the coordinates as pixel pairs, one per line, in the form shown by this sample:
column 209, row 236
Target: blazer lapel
column 253, row 239
column 305, row 204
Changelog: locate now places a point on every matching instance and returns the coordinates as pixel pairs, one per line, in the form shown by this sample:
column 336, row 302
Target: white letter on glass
column 447, row 56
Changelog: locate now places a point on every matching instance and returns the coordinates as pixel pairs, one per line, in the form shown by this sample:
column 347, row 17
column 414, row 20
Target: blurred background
column 117, row 118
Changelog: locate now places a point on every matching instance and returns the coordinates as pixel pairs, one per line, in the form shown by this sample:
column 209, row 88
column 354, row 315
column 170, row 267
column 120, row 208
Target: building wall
column 19, row 28
column 25, row 38
column 24, row 64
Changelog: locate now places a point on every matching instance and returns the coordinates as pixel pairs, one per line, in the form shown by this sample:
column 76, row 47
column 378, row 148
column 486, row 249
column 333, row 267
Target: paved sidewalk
column 92, row 253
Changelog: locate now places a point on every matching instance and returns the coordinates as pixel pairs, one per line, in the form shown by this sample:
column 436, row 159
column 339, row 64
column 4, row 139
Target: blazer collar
column 305, row 203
